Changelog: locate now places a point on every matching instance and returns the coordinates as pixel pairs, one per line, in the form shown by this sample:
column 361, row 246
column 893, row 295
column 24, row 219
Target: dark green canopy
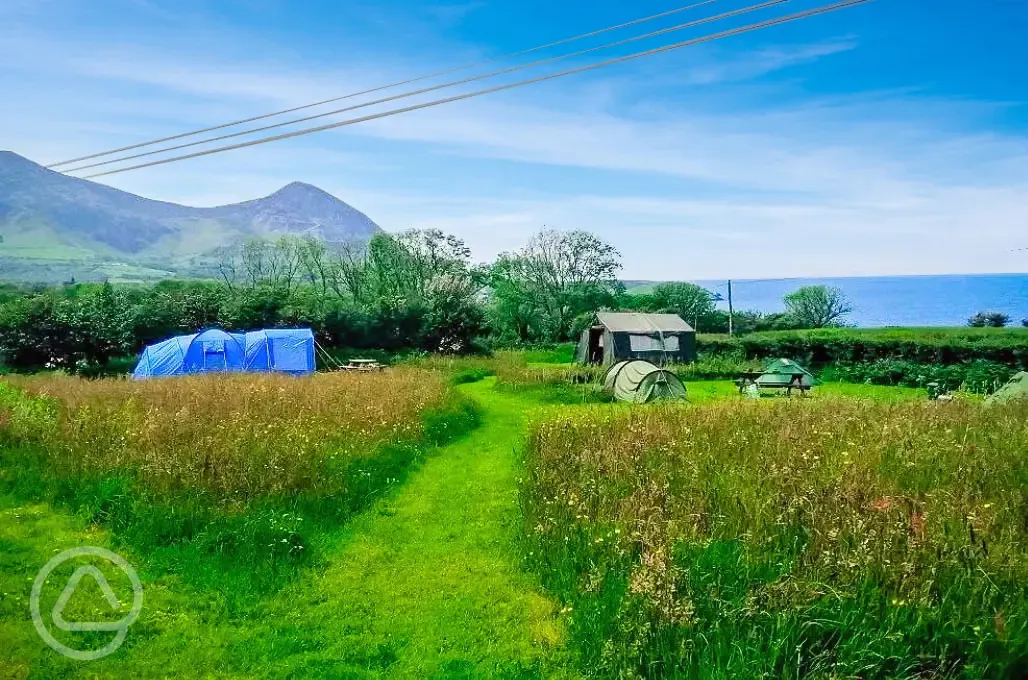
column 640, row 381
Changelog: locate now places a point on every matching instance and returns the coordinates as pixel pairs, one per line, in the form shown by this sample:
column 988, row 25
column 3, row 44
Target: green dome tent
column 1016, row 388
column 640, row 381
column 782, row 372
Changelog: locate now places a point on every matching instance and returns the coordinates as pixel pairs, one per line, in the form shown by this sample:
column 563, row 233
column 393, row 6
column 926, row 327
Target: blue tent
column 284, row 350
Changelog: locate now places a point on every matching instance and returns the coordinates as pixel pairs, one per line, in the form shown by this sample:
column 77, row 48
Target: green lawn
column 425, row 584
column 707, row 390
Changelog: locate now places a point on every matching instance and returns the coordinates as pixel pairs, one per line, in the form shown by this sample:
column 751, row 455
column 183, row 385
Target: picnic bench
column 795, row 382
column 362, row 365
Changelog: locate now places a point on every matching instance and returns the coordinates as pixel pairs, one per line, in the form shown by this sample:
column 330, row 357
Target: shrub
column 816, row 348
column 716, row 367
column 982, row 377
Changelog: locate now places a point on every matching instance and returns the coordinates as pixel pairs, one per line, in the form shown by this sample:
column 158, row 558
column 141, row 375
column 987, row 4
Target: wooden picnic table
column 362, row 365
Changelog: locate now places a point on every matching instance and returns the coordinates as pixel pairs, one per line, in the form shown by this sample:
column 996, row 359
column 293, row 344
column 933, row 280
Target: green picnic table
column 795, row 381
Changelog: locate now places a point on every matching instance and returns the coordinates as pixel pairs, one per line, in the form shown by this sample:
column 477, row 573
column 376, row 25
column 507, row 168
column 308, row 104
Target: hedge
column 817, row 348
column 982, row 377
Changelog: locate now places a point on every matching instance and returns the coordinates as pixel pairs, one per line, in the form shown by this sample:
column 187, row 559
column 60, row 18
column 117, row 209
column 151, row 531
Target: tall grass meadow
column 231, row 481
column 817, row 538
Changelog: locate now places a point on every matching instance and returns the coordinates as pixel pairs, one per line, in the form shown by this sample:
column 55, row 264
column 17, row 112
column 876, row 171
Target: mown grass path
column 424, row 584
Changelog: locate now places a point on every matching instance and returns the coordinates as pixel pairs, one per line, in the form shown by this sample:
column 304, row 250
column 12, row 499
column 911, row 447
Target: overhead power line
column 695, row 41
column 491, row 60
column 404, row 95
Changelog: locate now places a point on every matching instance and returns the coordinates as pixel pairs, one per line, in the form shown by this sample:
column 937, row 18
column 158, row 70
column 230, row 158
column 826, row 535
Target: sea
column 937, row 300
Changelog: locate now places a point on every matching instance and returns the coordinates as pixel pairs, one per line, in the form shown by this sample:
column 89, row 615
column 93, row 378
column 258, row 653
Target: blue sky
column 885, row 139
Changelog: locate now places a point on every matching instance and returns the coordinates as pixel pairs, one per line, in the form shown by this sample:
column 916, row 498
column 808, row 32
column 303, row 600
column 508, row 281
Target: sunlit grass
column 234, row 483
column 234, row 435
column 823, row 537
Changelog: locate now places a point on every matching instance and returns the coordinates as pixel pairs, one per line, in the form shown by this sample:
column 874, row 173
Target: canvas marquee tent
column 639, row 382
column 620, row 336
column 282, row 350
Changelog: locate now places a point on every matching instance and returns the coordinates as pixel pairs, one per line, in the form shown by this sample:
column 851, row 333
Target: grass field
column 826, row 537
column 490, row 518
column 1012, row 334
column 425, row 583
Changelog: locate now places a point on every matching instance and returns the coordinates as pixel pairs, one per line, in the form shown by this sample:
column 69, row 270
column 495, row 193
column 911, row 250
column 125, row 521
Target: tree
column 689, row 301
column 420, row 286
column 538, row 291
column 260, row 263
column 817, row 306
column 989, row 320
column 86, row 326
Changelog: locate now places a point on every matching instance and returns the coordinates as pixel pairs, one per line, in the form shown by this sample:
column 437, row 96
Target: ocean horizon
column 911, row 300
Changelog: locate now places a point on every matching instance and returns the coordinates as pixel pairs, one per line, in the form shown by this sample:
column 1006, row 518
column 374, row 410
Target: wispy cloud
column 453, row 13
column 881, row 182
column 735, row 68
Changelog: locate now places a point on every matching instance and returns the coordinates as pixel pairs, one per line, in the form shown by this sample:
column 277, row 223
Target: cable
column 404, row 95
column 752, row 27
column 716, row 36
column 386, row 87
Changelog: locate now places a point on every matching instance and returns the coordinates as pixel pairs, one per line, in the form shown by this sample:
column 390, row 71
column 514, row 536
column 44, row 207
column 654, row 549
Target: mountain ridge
column 53, row 225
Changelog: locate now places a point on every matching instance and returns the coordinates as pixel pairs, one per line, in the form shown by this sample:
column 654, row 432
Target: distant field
column 39, row 242
column 703, row 391
column 1011, row 334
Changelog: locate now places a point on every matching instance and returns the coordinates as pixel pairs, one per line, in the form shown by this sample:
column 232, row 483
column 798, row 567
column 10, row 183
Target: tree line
column 417, row 290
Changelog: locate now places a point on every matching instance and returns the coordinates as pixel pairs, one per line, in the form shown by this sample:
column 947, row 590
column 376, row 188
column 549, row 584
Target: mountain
column 53, row 226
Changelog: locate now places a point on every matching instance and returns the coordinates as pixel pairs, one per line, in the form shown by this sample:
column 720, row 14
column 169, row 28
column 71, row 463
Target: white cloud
column 888, row 182
column 761, row 62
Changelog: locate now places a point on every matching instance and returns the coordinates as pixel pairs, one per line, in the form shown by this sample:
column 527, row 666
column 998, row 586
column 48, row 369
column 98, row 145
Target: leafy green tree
column 73, row 329
column 260, row 263
column 541, row 289
column 31, row 335
column 691, row 302
column 99, row 326
column 420, row 287
column 817, row 306
column 989, row 320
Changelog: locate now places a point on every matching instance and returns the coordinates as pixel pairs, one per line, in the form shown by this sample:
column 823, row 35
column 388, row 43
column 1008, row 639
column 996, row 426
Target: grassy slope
column 39, row 241
column 422, row 585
